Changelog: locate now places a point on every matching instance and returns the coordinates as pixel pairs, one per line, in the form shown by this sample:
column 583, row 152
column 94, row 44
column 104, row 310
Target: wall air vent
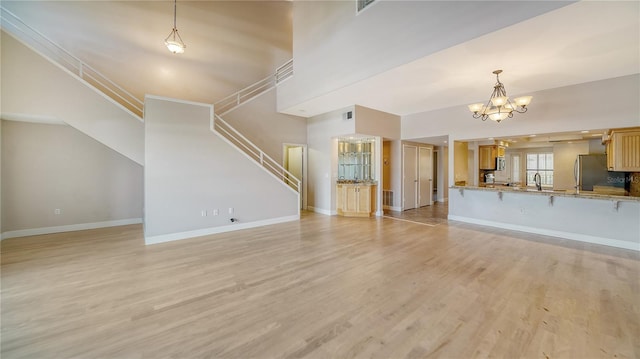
column 362, row 4
column 348, row 115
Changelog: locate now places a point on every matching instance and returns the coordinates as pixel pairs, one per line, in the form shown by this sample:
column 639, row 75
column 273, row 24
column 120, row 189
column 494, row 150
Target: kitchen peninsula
column 595, row 218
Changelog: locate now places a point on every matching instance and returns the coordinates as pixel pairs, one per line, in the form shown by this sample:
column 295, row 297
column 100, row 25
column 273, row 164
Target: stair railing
column 245, row 145
column 33, row 38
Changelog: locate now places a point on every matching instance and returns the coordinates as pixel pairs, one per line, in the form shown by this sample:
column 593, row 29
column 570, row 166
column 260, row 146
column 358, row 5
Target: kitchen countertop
column 361, row 183
column 556, row 193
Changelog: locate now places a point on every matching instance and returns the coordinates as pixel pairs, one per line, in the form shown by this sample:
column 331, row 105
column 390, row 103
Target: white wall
column 321, row 131
column 377, row 123
column 582, row 219
column 333, row 47
column 34, row 87
column 396, row 174
column 443, row 180
column 595, row 105
column 564, row 157
column 48, row 167
column 259, row 121
column 190, row 171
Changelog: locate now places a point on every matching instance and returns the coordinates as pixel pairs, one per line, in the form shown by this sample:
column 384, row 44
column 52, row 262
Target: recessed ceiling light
column 532, row 135
column 596, row 135
column 490, row 138
column 585, row 131
column 445, row 141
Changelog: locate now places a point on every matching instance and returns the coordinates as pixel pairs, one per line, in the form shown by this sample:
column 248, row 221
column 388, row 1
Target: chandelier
column 174, row 42
column 499, row 106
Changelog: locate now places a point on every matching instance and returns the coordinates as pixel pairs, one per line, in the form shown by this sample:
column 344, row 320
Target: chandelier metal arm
column 499, row 105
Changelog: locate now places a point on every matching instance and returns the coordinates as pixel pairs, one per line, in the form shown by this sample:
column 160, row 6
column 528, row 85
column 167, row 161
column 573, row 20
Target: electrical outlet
column 203, row 213
column 57, row 211
column 215, row 212
column 230, row 210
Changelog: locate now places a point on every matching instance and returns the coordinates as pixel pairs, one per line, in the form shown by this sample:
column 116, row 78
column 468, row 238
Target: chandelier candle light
column 499, row 106
column 174, row 42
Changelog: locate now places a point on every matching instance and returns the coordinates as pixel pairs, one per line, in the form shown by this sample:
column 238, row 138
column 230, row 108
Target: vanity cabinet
column 355, row 200
column 623, row 150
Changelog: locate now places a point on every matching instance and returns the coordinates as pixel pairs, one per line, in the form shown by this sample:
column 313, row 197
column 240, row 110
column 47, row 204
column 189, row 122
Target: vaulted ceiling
column 230, row 44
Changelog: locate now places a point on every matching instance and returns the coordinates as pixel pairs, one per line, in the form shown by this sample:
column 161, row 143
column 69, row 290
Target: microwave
column 501, row 164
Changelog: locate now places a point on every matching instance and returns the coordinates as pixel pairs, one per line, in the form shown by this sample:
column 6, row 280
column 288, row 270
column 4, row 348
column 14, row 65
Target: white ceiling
column 231, row 44
column 578, row 43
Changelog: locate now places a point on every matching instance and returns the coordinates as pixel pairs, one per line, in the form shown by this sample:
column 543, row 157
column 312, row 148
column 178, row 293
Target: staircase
column 42, row 45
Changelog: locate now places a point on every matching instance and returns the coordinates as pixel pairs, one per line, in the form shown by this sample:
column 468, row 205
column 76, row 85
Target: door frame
column 303, row 180
column 404, row 175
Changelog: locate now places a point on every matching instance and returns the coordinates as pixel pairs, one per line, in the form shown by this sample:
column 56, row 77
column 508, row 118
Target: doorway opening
column 295, row 161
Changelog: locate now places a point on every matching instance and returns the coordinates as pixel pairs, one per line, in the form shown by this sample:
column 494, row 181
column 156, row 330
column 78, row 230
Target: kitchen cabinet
column 623, row 150
column 355, row 199
column 487, row 157
column 488, row 154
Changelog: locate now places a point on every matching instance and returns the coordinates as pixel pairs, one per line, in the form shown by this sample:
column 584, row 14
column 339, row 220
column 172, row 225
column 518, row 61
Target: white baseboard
column 69, row 228
column 548, row 232
column 215, row 230
column 322, row 211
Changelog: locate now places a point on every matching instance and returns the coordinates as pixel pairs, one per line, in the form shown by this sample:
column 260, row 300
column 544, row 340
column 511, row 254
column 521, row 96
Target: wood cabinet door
column 626, row 151
column 487, row 157
column 364, row 199
column 351, row 199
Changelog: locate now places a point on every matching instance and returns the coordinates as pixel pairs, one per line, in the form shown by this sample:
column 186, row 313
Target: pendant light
column 174, row 42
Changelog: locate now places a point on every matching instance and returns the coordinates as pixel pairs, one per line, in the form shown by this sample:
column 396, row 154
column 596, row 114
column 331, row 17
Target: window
column 540, row 163
column 364, row 3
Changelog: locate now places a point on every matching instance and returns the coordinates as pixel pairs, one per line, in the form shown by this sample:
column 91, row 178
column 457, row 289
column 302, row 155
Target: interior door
column 425, row 179
column 410, row 177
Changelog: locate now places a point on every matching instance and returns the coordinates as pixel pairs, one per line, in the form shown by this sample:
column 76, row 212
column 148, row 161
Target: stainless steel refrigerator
column 591, row 170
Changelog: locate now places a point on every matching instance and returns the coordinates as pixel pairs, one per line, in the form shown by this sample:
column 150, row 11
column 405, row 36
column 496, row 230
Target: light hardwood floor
column 323, row 287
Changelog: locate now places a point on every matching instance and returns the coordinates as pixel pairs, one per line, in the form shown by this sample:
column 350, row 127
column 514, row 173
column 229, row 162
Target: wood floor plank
column 323, row 287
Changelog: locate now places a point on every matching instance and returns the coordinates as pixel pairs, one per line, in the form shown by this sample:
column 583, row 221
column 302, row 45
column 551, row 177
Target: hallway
column 429, row 215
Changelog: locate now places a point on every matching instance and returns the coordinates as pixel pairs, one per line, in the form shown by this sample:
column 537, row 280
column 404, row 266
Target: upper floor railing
column 236, row 99
column 13, row 25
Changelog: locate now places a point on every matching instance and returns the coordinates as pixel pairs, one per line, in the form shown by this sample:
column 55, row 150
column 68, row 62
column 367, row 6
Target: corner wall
column 191, row 172
column 323, row 153
column 32, row 87
column 268, row 129
column 49, row 167
column 333, row 46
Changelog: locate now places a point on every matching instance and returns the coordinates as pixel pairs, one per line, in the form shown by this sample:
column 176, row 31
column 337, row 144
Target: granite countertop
column 556, row 193
column 358, row 182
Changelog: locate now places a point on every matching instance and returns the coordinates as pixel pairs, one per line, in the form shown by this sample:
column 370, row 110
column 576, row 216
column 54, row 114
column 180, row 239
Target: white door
column 410, row 177
column 425, row 177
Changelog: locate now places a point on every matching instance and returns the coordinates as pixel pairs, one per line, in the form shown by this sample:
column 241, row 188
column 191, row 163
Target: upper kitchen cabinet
column 488, row 156
column 623, row 150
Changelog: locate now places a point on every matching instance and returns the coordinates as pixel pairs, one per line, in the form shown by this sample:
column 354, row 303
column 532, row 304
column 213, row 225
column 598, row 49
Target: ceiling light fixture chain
column 499, row 106
column 174, row 41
